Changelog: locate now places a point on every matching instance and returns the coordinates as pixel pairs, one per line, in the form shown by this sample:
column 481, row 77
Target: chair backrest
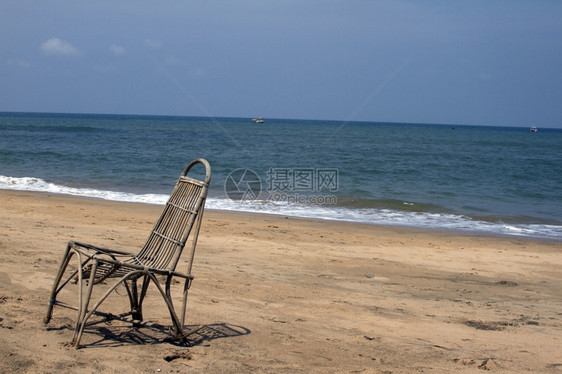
column 180, row 218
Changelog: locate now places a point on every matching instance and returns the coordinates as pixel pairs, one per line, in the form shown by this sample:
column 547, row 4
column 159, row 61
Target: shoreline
column 439, row 230
column 287, row 295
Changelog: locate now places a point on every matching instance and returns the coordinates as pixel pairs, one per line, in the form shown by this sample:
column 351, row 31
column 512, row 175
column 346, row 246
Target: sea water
column 474, row 179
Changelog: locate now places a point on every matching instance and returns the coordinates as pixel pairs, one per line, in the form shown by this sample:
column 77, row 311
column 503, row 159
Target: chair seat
column 117, row 264
column 111, row 263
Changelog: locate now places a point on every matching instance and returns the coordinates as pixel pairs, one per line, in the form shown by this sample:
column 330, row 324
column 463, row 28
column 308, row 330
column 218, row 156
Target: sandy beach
column 285, row 295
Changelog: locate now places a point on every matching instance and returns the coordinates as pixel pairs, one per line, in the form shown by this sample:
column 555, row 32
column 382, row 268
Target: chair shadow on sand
column 114, row 336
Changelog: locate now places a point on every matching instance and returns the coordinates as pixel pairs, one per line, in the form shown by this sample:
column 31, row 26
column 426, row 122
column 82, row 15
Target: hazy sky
column 451, row 62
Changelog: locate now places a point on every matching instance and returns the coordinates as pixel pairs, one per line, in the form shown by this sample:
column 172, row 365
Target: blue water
column 494, row 180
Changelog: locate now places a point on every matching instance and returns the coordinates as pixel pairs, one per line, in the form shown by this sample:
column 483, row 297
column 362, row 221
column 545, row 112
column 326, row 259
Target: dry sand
column 288, row 295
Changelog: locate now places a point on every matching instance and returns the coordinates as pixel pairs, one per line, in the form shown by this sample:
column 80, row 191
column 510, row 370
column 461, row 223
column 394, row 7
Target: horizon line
column 275, row 119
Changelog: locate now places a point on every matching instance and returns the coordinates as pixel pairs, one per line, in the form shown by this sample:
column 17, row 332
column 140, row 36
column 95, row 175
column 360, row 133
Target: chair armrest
column 97, row 249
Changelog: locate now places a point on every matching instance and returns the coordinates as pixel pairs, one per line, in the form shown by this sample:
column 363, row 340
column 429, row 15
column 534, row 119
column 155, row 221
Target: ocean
column 470, row 179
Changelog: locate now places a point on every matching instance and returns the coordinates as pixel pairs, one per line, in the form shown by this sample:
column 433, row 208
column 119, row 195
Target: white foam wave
column 40, row 185
column 432, row 221
column 387, row 217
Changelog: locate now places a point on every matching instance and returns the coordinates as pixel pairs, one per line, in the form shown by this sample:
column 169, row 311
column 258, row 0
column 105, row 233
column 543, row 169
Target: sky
column 485, row 62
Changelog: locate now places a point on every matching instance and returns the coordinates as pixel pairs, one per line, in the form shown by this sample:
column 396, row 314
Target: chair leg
column 86, row 312
column 83, row 314
column 186, row 286
column 177, row 325
column 144, row 289
column 135, row 299
column 60, row 273
column 177, row 322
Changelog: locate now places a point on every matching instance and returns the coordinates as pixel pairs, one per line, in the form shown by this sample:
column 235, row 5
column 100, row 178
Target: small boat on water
column 258, row 120
column 533, row 129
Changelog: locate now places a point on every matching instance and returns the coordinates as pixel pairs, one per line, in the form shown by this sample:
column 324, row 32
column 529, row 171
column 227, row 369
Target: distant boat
column 533, row 129
column 258, row 120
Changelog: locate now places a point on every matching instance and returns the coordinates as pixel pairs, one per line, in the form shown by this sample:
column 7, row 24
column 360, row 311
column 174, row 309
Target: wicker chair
column 158, row 258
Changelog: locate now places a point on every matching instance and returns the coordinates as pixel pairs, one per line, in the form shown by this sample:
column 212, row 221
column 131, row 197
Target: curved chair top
column 202, row 161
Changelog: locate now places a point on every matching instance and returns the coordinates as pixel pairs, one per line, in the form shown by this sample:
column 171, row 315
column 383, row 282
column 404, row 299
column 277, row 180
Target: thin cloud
column 150, row 43
column 55, row 46
column 117, row 50
column 20, row 62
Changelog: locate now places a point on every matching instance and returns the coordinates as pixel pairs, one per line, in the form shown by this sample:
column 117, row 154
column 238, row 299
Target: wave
column 392, row 204
column 40, row 185
column 430, row 220
column 397, row 218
